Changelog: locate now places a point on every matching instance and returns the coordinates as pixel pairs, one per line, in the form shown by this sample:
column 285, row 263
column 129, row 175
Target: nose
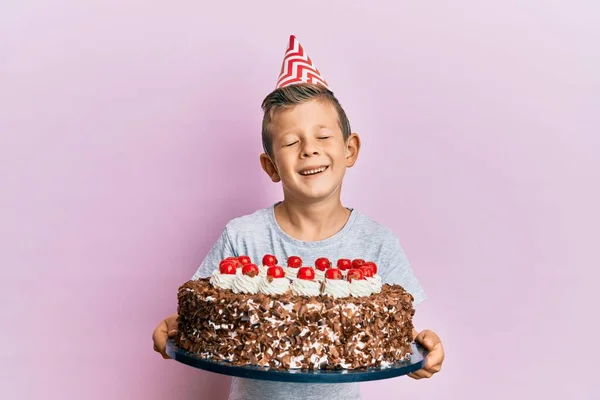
column 309, row 149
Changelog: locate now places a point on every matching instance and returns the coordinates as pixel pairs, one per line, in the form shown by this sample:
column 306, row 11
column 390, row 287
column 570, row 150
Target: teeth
column 313, row 171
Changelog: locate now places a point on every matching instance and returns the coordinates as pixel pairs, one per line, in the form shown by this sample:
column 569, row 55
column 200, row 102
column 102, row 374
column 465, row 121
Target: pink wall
column 126, row 125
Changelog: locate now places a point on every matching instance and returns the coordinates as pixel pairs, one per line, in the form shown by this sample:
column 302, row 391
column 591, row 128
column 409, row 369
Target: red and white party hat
column 297, row 67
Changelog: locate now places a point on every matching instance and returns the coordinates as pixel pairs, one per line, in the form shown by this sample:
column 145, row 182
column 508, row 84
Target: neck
column 311, row 221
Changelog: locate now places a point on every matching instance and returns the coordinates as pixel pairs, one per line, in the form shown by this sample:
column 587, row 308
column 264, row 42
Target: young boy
column 308, row 145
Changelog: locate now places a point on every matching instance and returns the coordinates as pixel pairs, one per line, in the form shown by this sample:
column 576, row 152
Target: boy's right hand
column 166, row 329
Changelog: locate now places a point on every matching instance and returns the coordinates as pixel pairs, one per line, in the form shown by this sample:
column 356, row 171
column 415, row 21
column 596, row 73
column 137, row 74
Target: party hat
column 297, row 67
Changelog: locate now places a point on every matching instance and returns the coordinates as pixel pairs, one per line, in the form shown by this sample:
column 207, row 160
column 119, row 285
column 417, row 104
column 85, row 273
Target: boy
column 308, row 145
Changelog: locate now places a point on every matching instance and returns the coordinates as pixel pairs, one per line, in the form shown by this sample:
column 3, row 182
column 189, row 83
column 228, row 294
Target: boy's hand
column 166, row 329
column 435, row 358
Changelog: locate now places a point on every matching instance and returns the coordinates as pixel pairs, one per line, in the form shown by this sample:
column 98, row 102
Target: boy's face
column 309, row 154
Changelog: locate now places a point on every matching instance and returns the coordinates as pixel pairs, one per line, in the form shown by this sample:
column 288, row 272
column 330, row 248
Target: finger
column 428, row 339
column 172, row 321
column 414, row 376
column 435, row 358
column 172, row 325
column 159, row 337
column 422, row 373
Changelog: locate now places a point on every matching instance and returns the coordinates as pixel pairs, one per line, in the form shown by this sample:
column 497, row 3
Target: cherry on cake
column 293, row 264
column 321, row 265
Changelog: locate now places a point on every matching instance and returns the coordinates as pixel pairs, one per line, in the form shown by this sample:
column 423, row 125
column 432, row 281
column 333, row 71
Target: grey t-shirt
column 259, row 233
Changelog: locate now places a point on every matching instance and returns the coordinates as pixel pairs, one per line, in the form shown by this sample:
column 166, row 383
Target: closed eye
column 323, row 137
column 291, row 144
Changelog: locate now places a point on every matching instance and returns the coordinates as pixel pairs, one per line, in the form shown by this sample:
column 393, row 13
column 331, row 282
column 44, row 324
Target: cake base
column 416, row 362
column 289, row 331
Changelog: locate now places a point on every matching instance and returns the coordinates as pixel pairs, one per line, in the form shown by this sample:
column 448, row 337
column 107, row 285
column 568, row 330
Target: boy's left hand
column 435, row 358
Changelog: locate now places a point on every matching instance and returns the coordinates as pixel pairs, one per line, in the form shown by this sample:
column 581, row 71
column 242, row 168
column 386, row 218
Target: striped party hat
column 297, row 67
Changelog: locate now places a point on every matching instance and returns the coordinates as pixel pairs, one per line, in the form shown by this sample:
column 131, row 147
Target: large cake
column 296, row 316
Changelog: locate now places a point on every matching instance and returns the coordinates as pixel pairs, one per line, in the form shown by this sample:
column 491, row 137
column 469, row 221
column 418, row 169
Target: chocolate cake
column 288, row 331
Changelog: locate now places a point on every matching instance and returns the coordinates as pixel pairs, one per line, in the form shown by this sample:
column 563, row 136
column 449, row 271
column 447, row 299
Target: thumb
column 172, row 326
column 428, row 339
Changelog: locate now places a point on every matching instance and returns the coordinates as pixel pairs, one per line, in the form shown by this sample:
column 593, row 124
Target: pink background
column 129, row 135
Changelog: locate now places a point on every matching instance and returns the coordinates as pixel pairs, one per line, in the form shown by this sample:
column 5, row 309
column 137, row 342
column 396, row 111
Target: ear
column 352, row 149
column 269, row 167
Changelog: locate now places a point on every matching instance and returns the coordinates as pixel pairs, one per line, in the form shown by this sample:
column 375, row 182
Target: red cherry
column 269, row 260
column 355, row 274
column 244, row 260
column 235, row 261
column 228, row 261
column 322, row 263
column 227, row 267
column 333, row 273
column 344, row 264
column 367, row 271
column 306, row 273
column 371, row 265
column 294, row 262
column 357, row 262
column 275, row 272
column 250, row 270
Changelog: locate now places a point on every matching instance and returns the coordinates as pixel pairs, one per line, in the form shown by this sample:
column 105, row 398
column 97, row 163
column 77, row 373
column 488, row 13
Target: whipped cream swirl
column 291, row 273
column 221, row 281
column 304, row 287
column 262, row 270
column 375, row 283
column 276, row 286
column 360, row 287
column 246, row 284
column 319, row 275
column 337, row 288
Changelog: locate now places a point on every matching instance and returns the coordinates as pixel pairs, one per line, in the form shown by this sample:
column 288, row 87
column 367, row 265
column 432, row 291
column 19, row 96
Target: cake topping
column 306, row 273
column 355, row 274
column 250, row 269
column 245, row 283
column 272, row 285
column 375, row 283
column 275, row 272
column 294, row 262
column 319, row 275
column 223, row 280
column 322, row 263
column 336, row 287
column 227, row 267
column 291, row 269
column 244, row 260
column 360, row 277
column 372, row 265
column 269, row 260
column 306, row 287
column 359, row 287
column 367, row 271
column 333, row 273
column 235, row 261
column 344, row 264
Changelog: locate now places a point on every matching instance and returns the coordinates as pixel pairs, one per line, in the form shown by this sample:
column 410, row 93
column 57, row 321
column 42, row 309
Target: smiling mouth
column 314, row 171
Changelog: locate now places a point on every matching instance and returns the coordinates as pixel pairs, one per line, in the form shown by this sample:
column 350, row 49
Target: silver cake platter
column 416, row 362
